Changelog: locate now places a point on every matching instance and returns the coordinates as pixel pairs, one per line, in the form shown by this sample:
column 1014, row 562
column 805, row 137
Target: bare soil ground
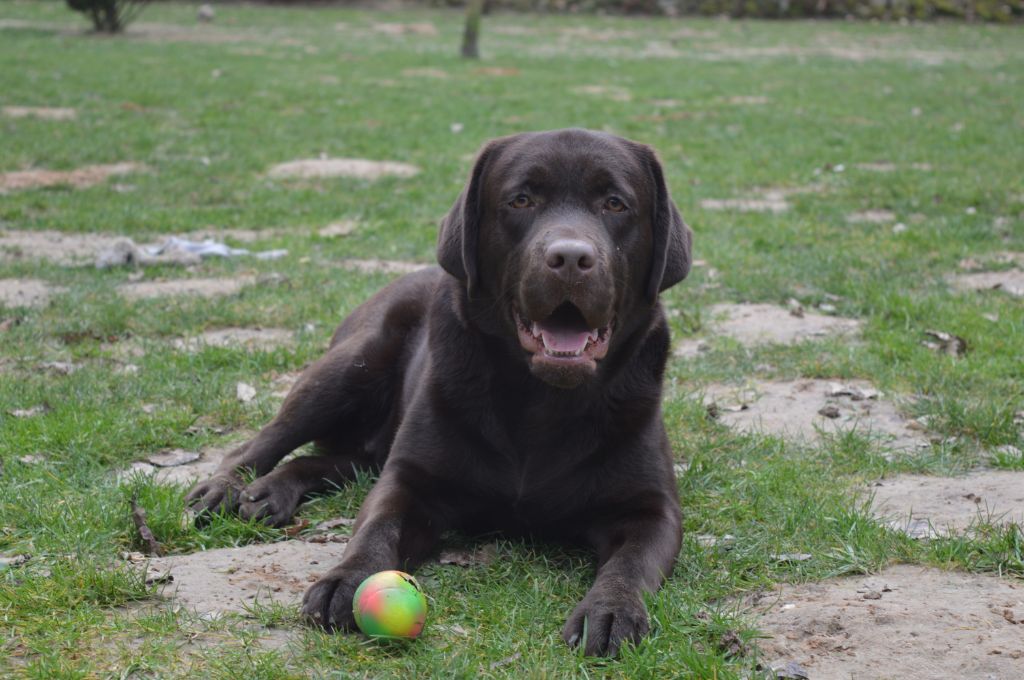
column 230, row 579
column 54, row 246
column 358, row 168
column 201, row 287
column 188, row 473
column 383, row 266
column 41, row 112
column 80, row 178
column 25, row 292
column 758, row 324
column 951, row 503
column 1010, row 281
column 794, row 409
column 248, row 338
column 906, row 622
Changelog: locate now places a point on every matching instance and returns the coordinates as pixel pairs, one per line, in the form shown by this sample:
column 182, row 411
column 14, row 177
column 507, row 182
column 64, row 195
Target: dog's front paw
column 603, row 621
column 219, row 493
column 271, row 500
column 328, row 602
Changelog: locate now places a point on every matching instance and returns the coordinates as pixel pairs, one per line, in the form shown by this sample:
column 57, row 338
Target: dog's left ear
column 672, row 249
column 460, row 229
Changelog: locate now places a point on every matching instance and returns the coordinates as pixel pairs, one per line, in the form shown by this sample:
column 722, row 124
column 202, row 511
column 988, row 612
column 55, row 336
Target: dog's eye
column 521, row 201
column 615, row 205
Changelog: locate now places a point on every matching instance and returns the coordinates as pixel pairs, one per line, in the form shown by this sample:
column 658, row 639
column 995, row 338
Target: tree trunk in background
column 471, row 36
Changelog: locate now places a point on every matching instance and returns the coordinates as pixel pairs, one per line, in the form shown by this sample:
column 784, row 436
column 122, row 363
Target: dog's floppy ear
column 460, row 229
column 671, row 253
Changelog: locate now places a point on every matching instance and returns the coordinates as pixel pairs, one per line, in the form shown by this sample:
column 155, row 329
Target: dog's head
column 568, row 235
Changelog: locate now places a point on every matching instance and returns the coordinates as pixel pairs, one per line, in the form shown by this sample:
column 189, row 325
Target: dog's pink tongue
column 560, row 340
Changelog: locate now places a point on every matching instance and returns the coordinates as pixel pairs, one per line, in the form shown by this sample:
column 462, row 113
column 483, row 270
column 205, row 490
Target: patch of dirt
column 496, row 71
column 759, row 324
column 857, row 54
column 1010, row 281
column 746, row 100
column 228, row 579
column 262, row 339
column 71, row 249
column 984, row 262
column 422, row 28
column 54, row 246
column 240, row 235
column 26, row 292
column 952, row 503
column 187, row 474
column 767, row 199
column 426, row 73
column 906, row 622
column 80, row 178
column 383, row 266
column 886, row 166
column 207, row 288
column 746, row 204
column 174, row 33
column 342, row 228
column 358, row 168
column 612, row 92
column 41, row 112
column 801, row 409
column 872, row 217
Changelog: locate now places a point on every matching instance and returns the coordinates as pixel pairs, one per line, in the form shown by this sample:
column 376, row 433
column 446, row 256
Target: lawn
column 886, row 159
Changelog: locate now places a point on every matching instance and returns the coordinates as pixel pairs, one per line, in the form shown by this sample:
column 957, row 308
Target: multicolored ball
column 390, row 604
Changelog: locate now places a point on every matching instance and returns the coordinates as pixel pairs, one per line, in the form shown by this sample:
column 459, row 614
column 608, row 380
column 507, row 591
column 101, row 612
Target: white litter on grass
column 245, row 392
column 174, row 250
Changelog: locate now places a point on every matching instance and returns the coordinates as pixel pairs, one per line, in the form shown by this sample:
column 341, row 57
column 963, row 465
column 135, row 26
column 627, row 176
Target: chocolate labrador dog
column 516, row 388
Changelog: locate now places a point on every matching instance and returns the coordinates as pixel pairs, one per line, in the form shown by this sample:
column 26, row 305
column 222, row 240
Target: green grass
column 209, row 117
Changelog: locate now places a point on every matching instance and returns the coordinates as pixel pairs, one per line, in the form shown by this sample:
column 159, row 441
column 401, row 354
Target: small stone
column 205, row 13
column 788, row 670
column 28, row 412
column 795, row 308
column 245, row 392
column 829, row 411
column 872, row 595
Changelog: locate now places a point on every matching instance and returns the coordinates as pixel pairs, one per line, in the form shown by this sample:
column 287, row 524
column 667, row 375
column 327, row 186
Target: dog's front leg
column 635, row 555
column 395, row 530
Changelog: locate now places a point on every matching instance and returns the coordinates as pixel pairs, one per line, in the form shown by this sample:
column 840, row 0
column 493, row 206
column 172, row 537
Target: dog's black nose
column 570, row 256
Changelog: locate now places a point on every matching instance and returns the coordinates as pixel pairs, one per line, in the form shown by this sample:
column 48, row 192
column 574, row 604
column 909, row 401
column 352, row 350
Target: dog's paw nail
column 249, row 497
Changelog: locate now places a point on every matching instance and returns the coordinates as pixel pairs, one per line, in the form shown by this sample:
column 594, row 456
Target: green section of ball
column 390, row 604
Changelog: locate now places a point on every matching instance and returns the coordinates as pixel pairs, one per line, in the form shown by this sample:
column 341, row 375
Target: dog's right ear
column 460, row 229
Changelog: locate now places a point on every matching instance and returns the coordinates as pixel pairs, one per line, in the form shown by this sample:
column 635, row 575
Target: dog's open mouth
column 563, row 336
